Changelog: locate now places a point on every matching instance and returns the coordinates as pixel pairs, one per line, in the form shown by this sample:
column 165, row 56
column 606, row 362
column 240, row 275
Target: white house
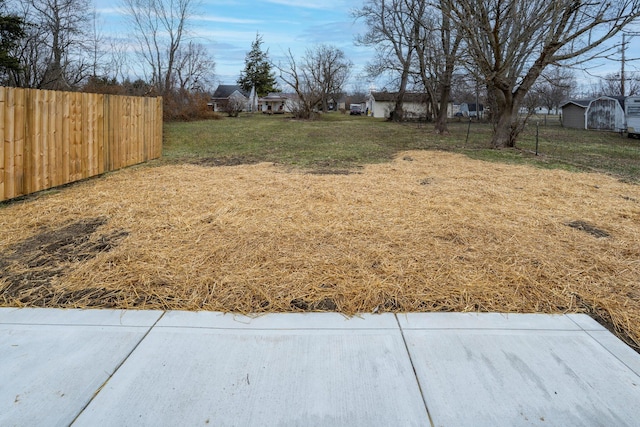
column 277, row 103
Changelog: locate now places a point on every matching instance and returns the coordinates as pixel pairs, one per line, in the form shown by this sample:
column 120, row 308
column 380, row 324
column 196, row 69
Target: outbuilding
column 381, row 104
column 603, row 113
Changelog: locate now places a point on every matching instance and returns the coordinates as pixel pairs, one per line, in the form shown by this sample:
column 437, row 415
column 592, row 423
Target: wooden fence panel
column 2, row 142
column 51, row 138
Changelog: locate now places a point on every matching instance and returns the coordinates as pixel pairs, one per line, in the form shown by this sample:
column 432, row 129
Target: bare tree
column 301, row 81
column 633, row 84
column 329, row 69
column 66, row 23
column 393, row 31
column 553, row 87
column 53, row 53
column 159, row 26
column 609, row 85
column 194, row 68
column 320, row 73
column 437, row 48
column 511, row 42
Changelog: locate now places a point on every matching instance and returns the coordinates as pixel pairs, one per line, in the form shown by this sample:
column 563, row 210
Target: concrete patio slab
column 519, row 373
column 53, row 361
column 273, row 370
column 114, row 367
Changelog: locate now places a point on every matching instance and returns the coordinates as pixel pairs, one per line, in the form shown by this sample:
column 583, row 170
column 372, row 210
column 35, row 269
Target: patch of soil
column 326, row 304
column 331, row 172
column 35, row 261
column 588, row 228
column 223, row 161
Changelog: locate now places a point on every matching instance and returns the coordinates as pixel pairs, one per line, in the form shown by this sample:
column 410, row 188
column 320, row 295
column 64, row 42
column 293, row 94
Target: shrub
column 182, row 105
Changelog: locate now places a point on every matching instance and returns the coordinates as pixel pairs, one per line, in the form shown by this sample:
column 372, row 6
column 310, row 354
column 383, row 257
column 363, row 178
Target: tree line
column 59, row 45
column 508, row 47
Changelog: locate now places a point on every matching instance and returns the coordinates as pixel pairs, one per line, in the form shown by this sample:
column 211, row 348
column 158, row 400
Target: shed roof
column 579, row 102
column 584, row 103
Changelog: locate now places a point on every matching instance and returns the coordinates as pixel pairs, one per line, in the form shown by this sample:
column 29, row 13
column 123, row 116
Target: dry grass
column 429, row 232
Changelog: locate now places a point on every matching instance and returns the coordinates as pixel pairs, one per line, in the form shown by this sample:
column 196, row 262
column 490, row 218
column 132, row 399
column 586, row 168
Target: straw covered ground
column 430, row 231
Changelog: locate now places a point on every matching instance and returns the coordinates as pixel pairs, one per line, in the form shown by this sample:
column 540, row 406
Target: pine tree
column 11, row 31
column 257, row 70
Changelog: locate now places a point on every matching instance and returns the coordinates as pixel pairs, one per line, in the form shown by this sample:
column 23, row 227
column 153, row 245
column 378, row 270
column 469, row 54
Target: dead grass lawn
column 430, row 231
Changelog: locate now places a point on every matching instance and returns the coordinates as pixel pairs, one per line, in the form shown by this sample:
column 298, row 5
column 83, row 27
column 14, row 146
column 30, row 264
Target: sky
column 228, row 27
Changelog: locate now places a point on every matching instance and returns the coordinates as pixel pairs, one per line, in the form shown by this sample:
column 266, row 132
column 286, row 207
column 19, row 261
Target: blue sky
column 283, row 24
column 228, row 27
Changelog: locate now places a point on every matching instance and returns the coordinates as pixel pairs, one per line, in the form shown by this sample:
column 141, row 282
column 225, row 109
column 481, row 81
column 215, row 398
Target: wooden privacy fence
column 50, row 138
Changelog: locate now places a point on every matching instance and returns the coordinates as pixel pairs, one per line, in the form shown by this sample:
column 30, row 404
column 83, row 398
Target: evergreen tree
column 257, row 70
column 11, row 31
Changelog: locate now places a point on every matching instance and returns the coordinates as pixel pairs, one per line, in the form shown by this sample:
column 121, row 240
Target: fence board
column 55, row 138
column 50, row 138
column 31, row 140
column 9, row 146
column 19, row 140
column 2, row 143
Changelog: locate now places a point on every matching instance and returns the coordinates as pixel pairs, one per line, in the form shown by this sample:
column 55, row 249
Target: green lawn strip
column 337, row 141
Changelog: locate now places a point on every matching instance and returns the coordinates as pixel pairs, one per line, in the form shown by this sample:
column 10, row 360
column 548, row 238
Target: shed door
column 602, row 114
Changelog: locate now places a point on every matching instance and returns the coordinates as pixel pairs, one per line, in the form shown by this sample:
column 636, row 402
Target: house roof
column 225, row 91
column 392, row 96
column 278, row 96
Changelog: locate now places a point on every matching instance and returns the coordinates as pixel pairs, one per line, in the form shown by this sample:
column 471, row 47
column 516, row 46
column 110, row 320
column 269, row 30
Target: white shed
column 603, row 113
column 380, row 104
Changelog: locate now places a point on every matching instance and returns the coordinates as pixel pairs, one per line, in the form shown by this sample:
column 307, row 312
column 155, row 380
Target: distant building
column 381, row 104
column 224, row 93
column 277, row 103
column 471, row 110
column 415, row 105
column 603, row 113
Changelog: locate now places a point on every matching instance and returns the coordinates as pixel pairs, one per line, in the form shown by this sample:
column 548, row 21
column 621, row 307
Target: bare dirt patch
column 588, row 228
column 222, row 161
column 438, row 233
column 28, row 267
column 331, row 172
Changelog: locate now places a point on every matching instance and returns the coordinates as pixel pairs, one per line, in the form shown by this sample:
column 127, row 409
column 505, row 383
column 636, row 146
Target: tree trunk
column 398, row 112
column 505, row 131
column 440, row 126
column 505, row 118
